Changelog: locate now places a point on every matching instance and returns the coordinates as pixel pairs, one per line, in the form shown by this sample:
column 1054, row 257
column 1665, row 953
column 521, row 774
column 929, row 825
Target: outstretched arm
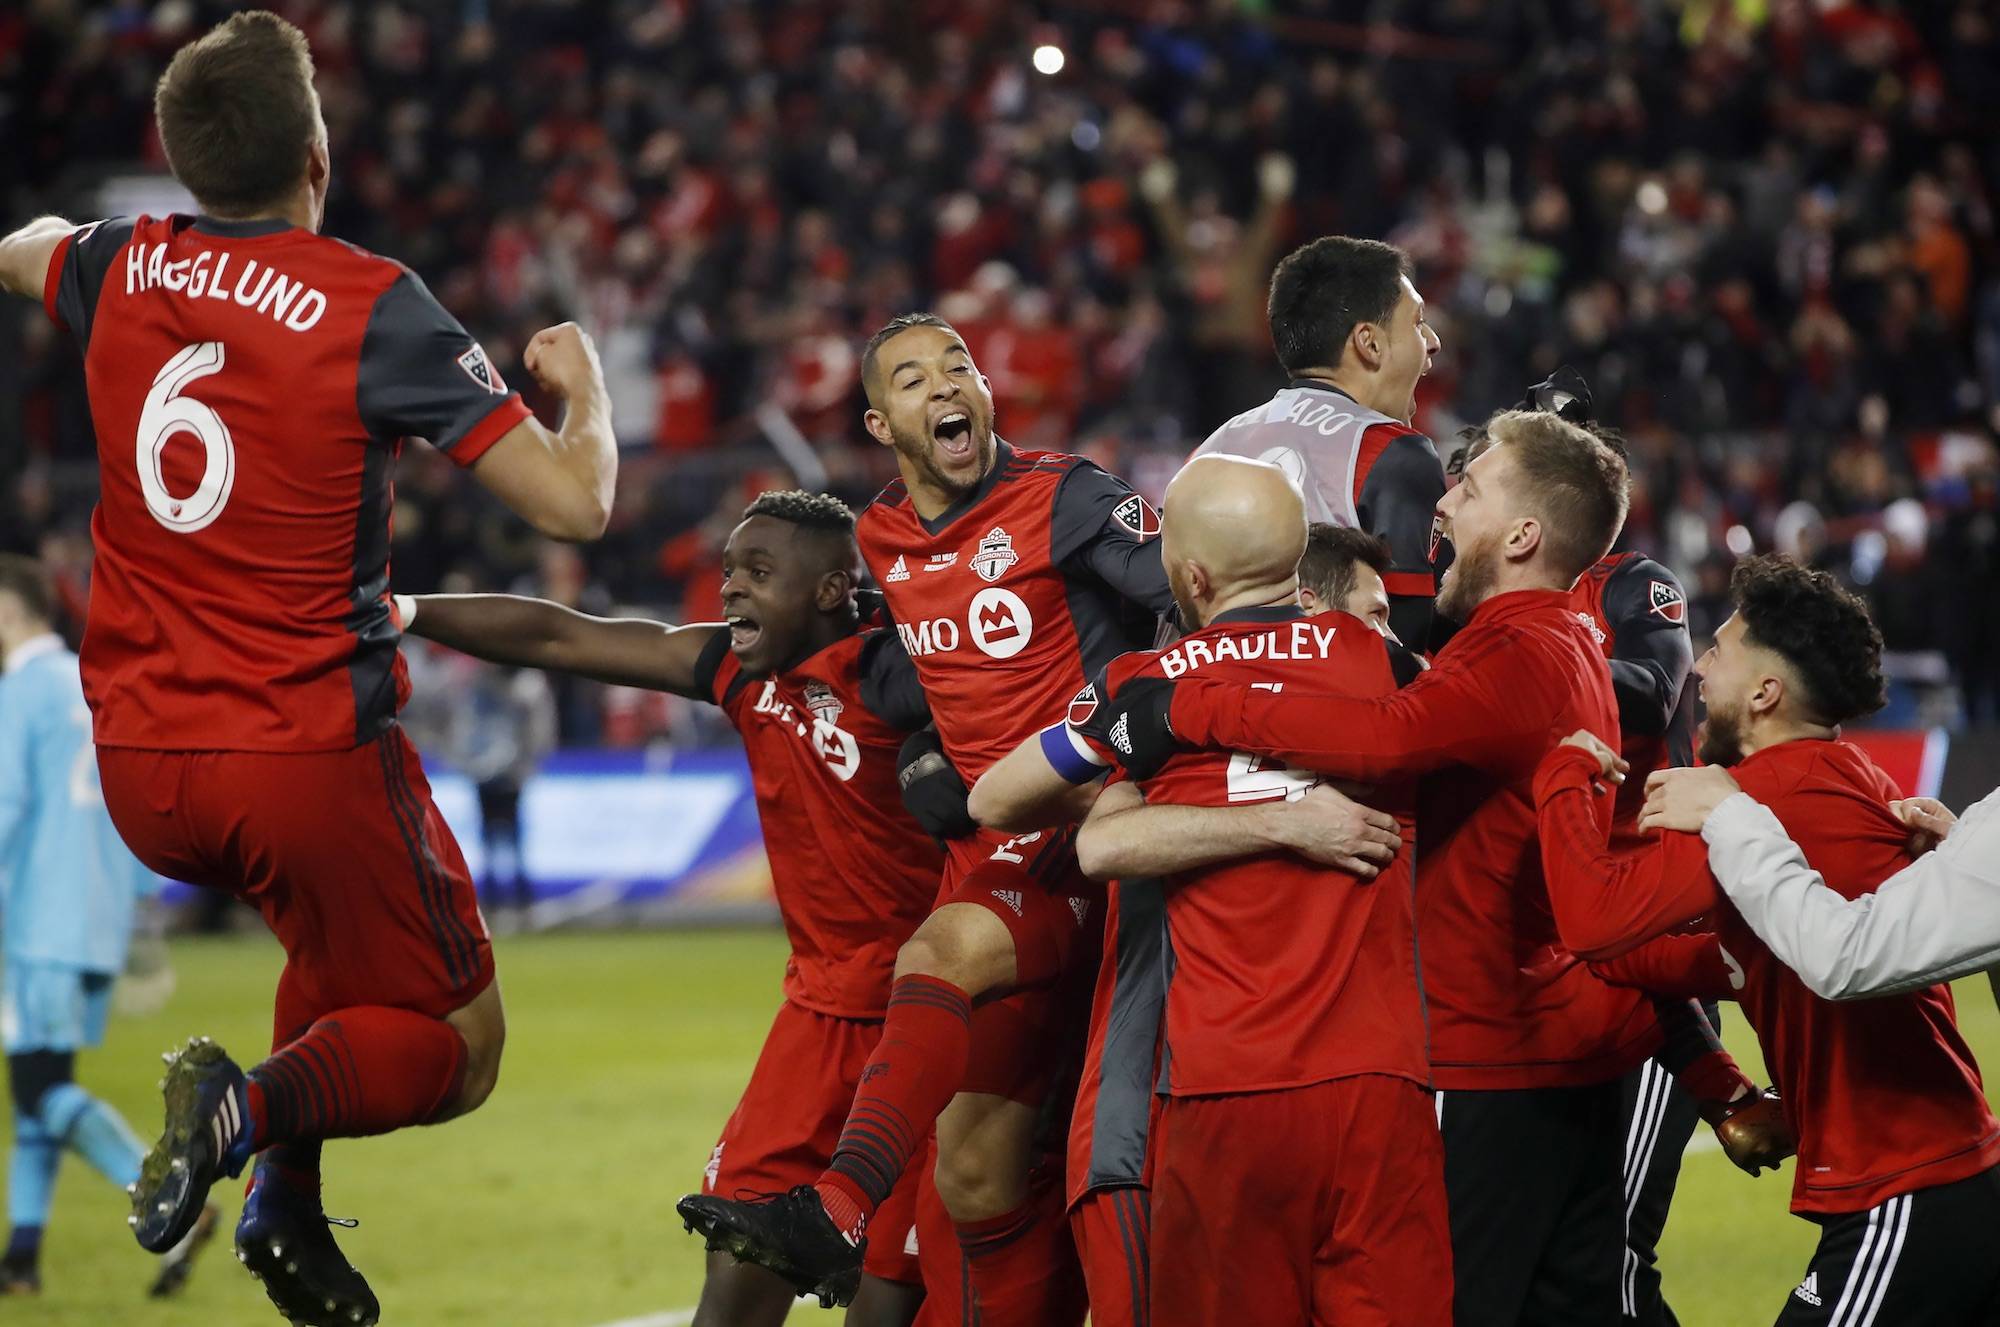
column 534, row 633
column 1607, row 904
column 25, row 255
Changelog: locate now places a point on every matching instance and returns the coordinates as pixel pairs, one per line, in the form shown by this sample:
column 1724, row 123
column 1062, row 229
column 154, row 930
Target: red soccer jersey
column 1040, row 576
column 251, row 384
column 1510, row 1007
column 1883, row 1094
column 1282, row 972
column 854, row 873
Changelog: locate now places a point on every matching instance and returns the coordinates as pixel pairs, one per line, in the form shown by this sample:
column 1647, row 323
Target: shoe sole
column 170, row 1194
column 174, row 1275
column 265, row 1256
column 835, row 1291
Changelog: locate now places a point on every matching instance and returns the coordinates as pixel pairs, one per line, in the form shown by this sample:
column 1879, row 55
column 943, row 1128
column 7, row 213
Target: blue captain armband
column 1070, row 756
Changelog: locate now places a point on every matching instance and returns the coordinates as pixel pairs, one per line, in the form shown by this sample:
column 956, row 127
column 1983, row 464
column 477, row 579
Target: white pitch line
column 677, row 1318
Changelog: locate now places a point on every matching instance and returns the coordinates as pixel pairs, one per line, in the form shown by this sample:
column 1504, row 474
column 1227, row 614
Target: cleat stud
column 329, row 1306
column 132, row 1189
column 243, row 1257
column 291, row 1268
column 166, row 1057
column 277, row 1250
column 132, row 1221
column 180, row 1163
column 164, row 1208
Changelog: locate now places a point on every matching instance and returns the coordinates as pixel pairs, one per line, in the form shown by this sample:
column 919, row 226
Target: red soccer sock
column 915, row 1071
column 1022, row 1267
column 358, row 1071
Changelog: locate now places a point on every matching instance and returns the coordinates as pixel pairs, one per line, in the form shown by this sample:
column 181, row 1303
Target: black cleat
column 790, row 1234
column 283, row 1239
column 207, row 1137
column 177, row 1263
column 19, row 1276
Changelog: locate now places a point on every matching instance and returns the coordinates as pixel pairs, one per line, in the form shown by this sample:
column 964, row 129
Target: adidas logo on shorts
column 1121, row 735
column 1081, row 907
column 714, row 1167
column 1011, row 897
column 1809, row 1290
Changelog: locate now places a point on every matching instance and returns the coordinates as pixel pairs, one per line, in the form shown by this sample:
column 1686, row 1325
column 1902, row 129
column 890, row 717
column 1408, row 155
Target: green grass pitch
column 553, row 1206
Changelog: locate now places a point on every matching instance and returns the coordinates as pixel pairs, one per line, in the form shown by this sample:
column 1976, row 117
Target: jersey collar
column 1003, row 456
column 1259, row 613
column 242, row 230
column 1317, row 385
column 32, row 648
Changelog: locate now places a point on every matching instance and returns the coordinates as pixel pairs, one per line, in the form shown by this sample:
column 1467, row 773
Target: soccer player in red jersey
column 1898, row 1153
column 1129, row 844
column 1011, row 577
column 853, row 872
column 1297, row 1173
column 251, row 383
column 1527, row 1044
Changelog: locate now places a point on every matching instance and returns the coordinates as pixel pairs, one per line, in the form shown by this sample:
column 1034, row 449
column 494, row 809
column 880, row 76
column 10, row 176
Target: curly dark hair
column 897, row 325
column 810, row 511
column 1820, row 627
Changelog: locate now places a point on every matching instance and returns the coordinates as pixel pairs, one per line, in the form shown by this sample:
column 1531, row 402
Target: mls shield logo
column 1667, row 601
column 1136, row 518
column 996, row 554
column 1437, row 536
column 1083, row 706
column 480, row 369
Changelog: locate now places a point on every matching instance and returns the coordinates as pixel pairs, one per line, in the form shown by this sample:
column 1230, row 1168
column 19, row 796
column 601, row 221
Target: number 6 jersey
column 251, row 384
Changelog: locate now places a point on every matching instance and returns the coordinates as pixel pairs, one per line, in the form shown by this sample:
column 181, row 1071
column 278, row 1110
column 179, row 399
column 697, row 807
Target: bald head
column 1231, row 536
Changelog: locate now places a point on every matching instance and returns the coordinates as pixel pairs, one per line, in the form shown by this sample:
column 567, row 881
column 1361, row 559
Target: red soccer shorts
column 784, row 1129
column 1114, row 1231
column 1321, row 1204
column 343, row 852
column 1026, row 1044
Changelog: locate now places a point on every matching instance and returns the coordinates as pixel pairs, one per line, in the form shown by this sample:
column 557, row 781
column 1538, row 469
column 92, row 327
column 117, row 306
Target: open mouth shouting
column 744, row 633
column 951, row 436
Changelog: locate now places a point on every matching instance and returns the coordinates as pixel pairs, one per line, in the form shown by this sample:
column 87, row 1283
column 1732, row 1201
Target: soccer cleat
column 177, row 1263
column 790, row 1234
column 207, row 1137
column 283, row 1239
column 19, row 1276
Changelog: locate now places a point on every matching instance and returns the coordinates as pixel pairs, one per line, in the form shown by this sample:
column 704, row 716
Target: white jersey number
column 168, row 413
column 1257, row 779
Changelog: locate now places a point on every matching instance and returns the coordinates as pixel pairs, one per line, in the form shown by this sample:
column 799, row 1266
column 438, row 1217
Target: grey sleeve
column 1935, row 920
column 422, row 375
column 86, row 262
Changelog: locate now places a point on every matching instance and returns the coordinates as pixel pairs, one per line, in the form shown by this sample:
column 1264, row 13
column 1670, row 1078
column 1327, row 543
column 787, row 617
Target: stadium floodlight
column 1049, row 59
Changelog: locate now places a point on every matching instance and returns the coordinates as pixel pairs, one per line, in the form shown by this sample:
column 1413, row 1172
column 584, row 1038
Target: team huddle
column 1272, row 908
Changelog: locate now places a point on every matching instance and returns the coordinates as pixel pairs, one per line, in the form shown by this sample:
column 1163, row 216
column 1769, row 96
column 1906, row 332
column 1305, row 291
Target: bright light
column 1048, row 60
column 1652, row 198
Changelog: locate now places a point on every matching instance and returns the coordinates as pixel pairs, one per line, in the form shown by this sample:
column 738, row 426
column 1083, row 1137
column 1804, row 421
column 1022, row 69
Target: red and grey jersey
column 251, row 384
column 1361, row 470
column 1636, row 610
column 854, row 873
column 1041, row 575
column 1280, row 972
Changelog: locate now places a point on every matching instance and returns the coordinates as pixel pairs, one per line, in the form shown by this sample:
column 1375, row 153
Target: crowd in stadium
column 1764, row 233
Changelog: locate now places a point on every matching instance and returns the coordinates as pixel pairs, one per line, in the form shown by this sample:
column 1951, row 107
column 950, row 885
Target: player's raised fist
column 563, row 359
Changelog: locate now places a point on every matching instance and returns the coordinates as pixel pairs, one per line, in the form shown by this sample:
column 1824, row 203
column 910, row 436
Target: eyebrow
column 954, row 347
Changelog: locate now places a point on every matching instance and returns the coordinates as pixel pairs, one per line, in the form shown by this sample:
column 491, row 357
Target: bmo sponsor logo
column 997, row 623
column 832, row 743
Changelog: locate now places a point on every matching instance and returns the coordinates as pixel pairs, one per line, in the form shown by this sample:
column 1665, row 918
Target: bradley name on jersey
column 258, row 286
column 1303, row 639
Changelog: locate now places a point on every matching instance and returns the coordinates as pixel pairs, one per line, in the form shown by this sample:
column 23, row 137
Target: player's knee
column 976, row 1183
column 961, row 943
column 482, row 1025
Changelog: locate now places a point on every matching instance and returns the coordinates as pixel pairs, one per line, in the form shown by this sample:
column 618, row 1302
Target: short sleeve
column 77, row 270
column 889, row 684
column 1099, row 525
column 715, row 668
column 1397, row 503
column 422, row 375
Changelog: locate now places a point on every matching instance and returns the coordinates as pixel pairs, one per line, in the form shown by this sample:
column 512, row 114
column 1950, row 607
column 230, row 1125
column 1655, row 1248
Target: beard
column 1721, row 738
column 921, row 450
column 1469, row 580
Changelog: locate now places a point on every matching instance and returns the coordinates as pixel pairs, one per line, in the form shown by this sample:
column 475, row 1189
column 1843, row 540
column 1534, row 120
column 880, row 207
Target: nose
column 1431, row 341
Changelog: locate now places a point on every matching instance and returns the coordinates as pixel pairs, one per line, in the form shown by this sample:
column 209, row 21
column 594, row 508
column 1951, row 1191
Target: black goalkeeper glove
column 1563, row 394
column 933, row 792
column 1138, row 725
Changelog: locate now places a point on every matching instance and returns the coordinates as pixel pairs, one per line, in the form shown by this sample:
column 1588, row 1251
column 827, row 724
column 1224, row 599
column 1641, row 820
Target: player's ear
column 877, row 425
column 1366, row 338
column 1523, row 539
column 1308, row 599
column 1769, row 695
column 836, row 589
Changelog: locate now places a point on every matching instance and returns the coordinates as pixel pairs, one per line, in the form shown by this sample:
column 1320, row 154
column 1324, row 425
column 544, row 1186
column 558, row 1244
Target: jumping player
column 1350, row 329
column 1899, row 1155
column 1527, row 1044
column 251, row 384
column 1011, row 576
column 854, row 874
column 67, row 892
